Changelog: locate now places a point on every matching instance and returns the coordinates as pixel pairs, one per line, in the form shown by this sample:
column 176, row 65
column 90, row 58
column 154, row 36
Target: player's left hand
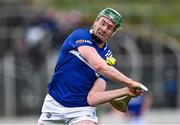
column 135, row 92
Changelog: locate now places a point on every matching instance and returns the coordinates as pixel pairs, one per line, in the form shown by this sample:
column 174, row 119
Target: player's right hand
column 138, row 86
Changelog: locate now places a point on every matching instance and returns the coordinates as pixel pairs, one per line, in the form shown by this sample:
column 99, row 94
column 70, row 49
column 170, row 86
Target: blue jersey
column 74, row 76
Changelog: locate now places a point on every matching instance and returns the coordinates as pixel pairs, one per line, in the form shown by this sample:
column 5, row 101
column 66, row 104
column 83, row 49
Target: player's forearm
column 96, row 98
column 93, row 58
column 116, row 76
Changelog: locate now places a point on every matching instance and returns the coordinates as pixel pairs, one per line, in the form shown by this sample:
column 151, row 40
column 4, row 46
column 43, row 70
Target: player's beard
column 97, row 39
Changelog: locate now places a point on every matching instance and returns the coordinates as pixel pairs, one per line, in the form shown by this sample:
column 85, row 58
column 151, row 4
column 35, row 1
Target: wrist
column 130, row 83
column 126, row 91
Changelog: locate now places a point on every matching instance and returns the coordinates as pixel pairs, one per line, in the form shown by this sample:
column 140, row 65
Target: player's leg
column 85, row 122
column 83, row 116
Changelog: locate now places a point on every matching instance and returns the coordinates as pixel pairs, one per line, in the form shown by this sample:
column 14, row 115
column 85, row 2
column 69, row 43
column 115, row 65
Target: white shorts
column 54, row 113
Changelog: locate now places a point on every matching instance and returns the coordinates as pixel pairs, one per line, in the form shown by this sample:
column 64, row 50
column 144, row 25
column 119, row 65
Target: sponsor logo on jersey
column 83, row 41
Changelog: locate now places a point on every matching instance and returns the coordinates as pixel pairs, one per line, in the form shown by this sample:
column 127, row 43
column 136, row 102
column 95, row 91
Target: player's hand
column 133, row 84
column 138, row 87
column 135, row 92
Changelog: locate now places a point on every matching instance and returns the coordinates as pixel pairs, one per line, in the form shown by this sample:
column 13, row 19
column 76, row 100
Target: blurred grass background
column 161, row 15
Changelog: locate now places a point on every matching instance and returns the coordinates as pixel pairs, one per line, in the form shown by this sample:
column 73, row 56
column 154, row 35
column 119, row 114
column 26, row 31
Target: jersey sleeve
column 81, row 37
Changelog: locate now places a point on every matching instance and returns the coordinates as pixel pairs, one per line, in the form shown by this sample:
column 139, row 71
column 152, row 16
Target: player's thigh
column 39, row 123
column 85, row 122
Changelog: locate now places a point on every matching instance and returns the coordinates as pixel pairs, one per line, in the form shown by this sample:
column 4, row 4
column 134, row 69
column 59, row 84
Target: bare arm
column 91, row 55
column 98, row 95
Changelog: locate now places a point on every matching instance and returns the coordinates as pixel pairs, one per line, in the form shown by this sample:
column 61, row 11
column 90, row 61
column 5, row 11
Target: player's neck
column 100, row 45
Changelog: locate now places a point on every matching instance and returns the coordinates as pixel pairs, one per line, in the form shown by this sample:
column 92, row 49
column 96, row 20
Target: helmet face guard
column 111, row 14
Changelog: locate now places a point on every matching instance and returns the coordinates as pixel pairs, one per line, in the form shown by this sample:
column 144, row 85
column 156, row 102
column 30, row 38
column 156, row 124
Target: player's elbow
column 99, row 67
column 90, row 99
